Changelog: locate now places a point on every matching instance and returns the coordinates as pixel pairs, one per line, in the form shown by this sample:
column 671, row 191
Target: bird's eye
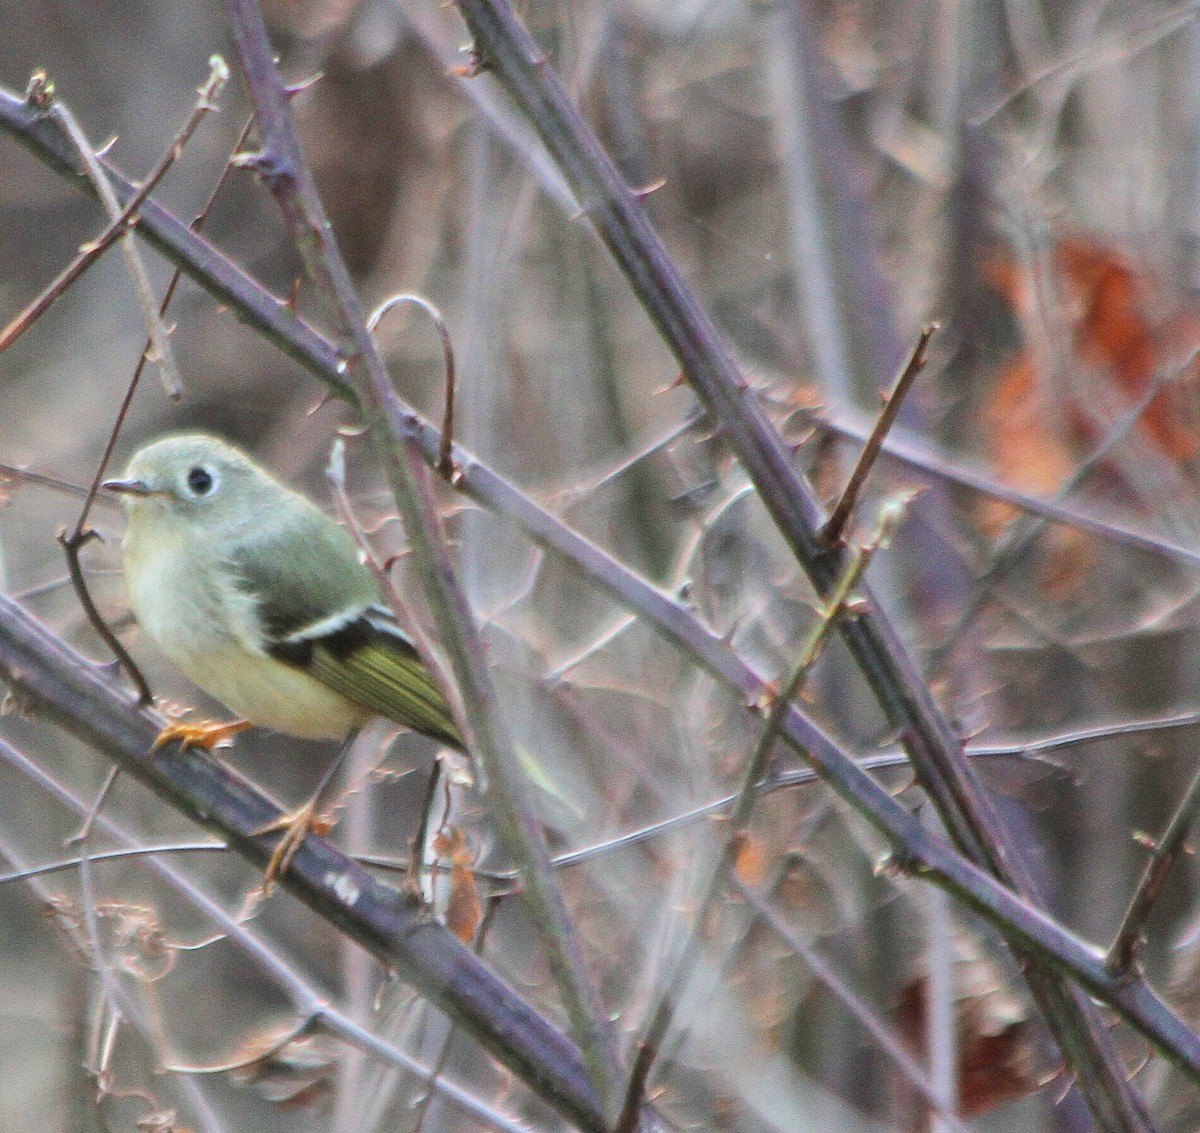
column 201, row 481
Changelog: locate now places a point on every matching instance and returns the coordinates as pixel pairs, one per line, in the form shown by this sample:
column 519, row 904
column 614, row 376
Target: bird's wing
column 318, row 610
column 369, row 660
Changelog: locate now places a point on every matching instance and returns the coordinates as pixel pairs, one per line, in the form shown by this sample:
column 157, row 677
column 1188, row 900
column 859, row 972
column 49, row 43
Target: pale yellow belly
column 271, row 694
column 206, row 630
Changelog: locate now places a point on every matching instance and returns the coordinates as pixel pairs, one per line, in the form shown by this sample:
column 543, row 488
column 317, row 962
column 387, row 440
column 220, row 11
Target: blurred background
column 829, row 176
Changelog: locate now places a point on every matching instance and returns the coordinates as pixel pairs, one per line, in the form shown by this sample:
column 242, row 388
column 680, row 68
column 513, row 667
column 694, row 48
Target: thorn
column 314, row 409
column 888, row 866
column 266, row 164
column 645, row 191
column 39, row 91
column 763, row 703
column 293, row 89
column 472, row 68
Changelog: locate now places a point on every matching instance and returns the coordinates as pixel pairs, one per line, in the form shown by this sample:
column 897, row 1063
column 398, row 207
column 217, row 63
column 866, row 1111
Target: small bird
column 265, row 602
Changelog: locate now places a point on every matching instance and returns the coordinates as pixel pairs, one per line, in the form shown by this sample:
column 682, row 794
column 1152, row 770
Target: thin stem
column 62, row 117
column 90, row 252
column 1122, row 955
column 72, row 544
column 925, row 457
column 893, row 399
column 444, row 463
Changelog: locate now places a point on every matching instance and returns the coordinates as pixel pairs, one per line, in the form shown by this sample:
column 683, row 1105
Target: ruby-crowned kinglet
column 263, row 600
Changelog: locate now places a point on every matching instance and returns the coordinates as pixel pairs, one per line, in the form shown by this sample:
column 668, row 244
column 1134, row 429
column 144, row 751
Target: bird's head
column 194, row 481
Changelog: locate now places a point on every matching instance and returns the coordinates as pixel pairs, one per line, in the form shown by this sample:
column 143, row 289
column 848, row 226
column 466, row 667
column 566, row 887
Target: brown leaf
column 1030, row 453
column 1124, row 335
column 998, row 1054
column 749, row 860
column 464, row 910
column 1119, row 332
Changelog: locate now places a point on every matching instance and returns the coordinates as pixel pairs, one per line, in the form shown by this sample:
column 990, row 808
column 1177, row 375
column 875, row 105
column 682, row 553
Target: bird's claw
column 296, row 825
column 207, row 734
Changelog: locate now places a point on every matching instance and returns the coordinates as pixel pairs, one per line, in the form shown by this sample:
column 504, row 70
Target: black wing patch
column 370, row 661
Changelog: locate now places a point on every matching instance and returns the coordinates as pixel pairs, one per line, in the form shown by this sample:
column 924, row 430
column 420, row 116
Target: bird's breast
column 188, row 601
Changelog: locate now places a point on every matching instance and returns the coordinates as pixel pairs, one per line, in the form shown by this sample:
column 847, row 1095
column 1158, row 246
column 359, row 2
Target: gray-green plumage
column 263, row 600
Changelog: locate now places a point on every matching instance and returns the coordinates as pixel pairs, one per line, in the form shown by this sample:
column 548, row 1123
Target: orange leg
column 207, row 734
column 297, row 825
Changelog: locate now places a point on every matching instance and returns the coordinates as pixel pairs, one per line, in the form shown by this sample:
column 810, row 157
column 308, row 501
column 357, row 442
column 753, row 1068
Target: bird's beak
column 129, row 487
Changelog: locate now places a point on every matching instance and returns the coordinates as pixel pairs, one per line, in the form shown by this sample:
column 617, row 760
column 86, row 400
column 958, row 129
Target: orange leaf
column 749, row 860
column 464, row 910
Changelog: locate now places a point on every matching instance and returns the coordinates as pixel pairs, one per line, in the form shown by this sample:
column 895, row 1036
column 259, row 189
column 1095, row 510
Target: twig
column 72, row 544
column 1122, row 955
column 1019, row 537
column 444, row 463
column 831, row 533
column 132, row 853
column 90, row 252
column 807, row 156
column 24, row 476
column 925, row 457
column 635, row 1090
column 41, row 94
column 447, row 1044
column 123, row 410
column 84, row 833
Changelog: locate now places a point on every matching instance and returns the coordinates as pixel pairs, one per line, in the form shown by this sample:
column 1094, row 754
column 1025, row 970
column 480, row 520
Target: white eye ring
column 201, row 480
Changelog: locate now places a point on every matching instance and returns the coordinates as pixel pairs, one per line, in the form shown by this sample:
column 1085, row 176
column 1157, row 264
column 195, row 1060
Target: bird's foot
column 207, row 734
column 296, row 825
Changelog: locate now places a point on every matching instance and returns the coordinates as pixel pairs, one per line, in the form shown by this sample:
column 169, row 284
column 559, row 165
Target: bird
column 266, row 603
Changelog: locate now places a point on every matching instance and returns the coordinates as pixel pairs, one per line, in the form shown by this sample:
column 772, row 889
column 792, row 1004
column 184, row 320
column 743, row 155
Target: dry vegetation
column 827, row 178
